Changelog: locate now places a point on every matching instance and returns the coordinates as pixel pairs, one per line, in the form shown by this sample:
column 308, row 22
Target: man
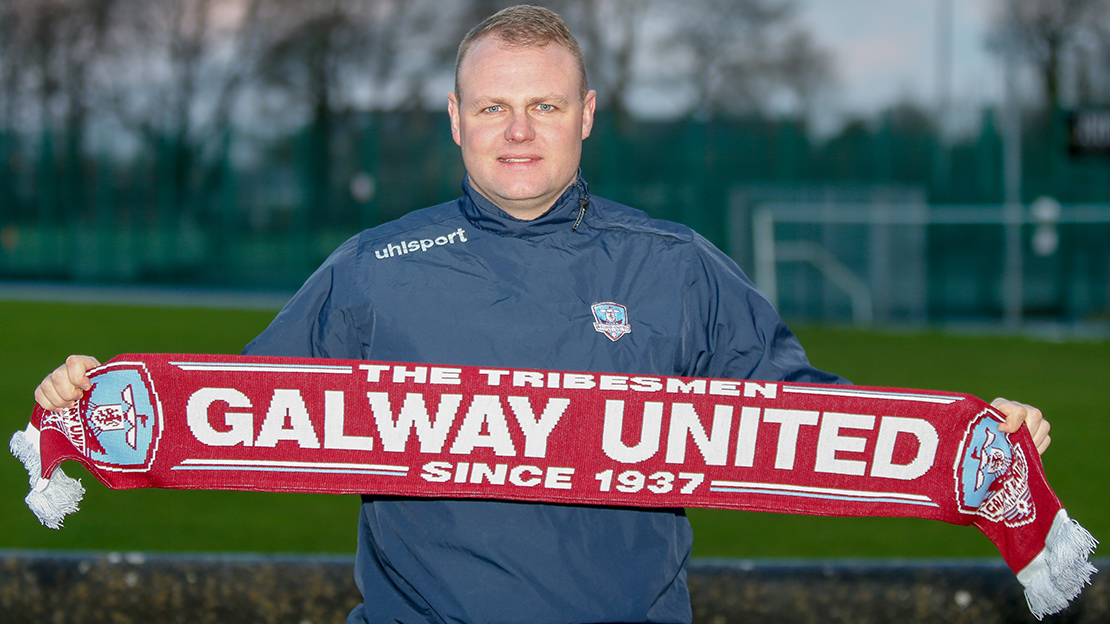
column 524, row 267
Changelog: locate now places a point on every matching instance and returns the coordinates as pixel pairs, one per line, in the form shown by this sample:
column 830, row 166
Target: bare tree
column 611, row 33
column 174, row 71
column 745, row 55
column 335, row 56
column 10, row 76
column 804, row 69
column 734, row 55
column 10, row 65
column 49, row 49
column 1100, row 59
column 330, row 59
column 1044, row 33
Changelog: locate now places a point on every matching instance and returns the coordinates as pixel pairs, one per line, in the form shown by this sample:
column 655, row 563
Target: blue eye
column 547, row 108
column 496, row 108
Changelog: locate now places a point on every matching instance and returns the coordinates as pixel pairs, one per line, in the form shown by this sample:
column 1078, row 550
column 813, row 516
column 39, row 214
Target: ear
column 453, row 113
column 588, row 106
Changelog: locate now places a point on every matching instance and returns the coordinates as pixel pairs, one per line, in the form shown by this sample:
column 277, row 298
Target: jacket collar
column 564, row 215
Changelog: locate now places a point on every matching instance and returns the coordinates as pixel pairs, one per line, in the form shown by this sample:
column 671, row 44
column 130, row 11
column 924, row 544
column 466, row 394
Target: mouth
column 517, row 159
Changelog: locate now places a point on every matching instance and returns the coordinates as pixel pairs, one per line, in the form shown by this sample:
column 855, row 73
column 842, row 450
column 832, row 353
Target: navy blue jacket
column 464, row 283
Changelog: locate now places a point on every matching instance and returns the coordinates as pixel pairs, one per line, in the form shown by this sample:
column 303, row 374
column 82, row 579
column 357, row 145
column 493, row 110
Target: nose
column 520, row 128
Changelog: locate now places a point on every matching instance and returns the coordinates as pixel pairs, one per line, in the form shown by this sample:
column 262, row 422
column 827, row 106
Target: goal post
column 896, row 262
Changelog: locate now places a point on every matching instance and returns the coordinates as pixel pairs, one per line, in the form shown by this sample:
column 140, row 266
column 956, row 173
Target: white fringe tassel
column 50, row 499
column 1061, row 570
column 1051, row 580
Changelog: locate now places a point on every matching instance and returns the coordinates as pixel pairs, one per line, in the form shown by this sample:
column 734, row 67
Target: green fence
column 250, row 211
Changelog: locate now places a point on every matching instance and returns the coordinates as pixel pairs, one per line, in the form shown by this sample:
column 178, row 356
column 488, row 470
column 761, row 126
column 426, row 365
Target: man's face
column 520, row 124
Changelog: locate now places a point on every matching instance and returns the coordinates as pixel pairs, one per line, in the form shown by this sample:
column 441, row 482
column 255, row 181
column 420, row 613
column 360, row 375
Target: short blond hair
column 524, row 26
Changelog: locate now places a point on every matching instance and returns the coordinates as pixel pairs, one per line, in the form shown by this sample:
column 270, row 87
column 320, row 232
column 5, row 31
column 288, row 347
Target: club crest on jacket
column 611, row 319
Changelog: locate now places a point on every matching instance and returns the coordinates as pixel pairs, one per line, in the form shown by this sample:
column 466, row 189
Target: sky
column 886, row 51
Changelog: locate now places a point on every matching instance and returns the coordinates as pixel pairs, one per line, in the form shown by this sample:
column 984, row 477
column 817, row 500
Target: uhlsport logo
column 401, row 248
column 117, row 424
column 611, row 319
column 993, row 475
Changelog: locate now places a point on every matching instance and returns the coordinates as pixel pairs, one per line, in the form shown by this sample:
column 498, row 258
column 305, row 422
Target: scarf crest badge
column 993, row 475
column 118, row 423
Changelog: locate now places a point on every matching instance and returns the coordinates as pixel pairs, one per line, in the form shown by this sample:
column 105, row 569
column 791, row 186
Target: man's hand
column 1017, row 413
column 68, row 382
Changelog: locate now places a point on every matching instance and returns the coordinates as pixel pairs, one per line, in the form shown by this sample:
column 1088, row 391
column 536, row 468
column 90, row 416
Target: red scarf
column 346, row 426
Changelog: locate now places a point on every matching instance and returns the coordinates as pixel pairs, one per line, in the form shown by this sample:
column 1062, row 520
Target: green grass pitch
column 1070, row 381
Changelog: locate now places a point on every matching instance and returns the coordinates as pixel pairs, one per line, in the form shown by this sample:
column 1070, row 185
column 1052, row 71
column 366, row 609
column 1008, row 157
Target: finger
column 49, row 396
column 76, row 368
column 1014, row 412
column 1041, row 434
column 1035, row 421
column 65, row 384
column 42, row 400
column 1017, row 413
column 63, row 388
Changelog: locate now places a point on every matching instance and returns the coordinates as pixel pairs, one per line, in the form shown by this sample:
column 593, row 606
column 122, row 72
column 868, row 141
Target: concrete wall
column 133, row 588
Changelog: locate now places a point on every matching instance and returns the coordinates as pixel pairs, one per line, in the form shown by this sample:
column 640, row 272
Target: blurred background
column 919, row 162
column 923, row 164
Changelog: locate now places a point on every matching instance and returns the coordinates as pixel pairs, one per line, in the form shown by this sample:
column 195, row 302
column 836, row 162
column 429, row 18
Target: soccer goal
column 893, row 258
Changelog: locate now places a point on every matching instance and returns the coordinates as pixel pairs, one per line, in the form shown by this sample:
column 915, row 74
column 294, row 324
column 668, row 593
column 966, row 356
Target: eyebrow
column 550, row 98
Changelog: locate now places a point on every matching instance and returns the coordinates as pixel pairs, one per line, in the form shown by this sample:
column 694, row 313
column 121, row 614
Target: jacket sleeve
column 321, row 320
column 733, row 331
